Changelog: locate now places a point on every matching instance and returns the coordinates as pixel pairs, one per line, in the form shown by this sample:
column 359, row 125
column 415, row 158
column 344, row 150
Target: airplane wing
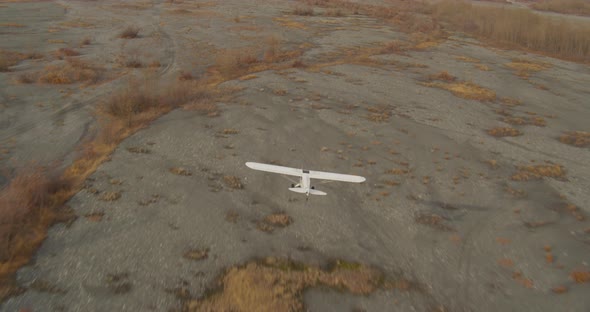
column 275, row 169
column 336, row 176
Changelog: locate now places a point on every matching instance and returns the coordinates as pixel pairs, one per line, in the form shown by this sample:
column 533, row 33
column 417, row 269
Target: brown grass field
column 576, row 7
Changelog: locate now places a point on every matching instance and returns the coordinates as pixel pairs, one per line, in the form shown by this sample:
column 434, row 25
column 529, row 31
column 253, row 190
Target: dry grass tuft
column 510, row 102
column 303, row 11
column 233, row 182
column 196, row 254
column 183, row 76
column 466, row 90
column 10, row 58
column 561, row 289
column 580, row 276
column 232, row 217
column 94, row 217
column 443, row 76
column 278, row 219
column 521, row 279
column 110, row 196
column 523, row 68
column 396, row 171
column 233, row 63
column 72, row 71
column 519, row 121
column 131, row 32
column 141, row 101
column 504, row 132
column 277, row 285
column 378, row 113
column 482, row 67
column 576, row 138
column 180, row 171
column 65, row 52
column 432, row 220
column 391, row 47
column 526, row 173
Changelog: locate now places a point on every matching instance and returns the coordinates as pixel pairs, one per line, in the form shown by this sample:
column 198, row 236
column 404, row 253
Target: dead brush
column 465, row 89
column 185, row 76
column 30, row 203
column 378, row 113
column 65, row 52
column 503, row 132
column 303, row 11
column 133, row 63
column 10, row 58
column 278, row 219
column 251, row 286
column 142, row 99
column 432, row 220
column 233, row 182
column 232, row 63
column 72, row 71
column 131, row 32
column 536, row 172
column 576, row 138
column 392, row 47
column 443, row 76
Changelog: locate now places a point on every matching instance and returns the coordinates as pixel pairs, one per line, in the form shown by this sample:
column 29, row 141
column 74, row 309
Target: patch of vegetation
column 46, row 287
column 197, row 254
column 504, row 132
column 303, row 11
column 180, row 171
column 466, row 90
column 397, row 171
column 10, row 58
column 278, row 219
column 576, row 138
column 65, row 52
column 443, row 76
column 138, row 150
column 95, row 216
column 131, row 32
column 432, row 220
column 118, row 284
column 526, row 120
column 110, row 196
column 524, row 67
column 580, row 276
column 72, row 71
column 526, row 173
column 378, row 113
column 233, row 182
column 277, row 285
column 232, row 217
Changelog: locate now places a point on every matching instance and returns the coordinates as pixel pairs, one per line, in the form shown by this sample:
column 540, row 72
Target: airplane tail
column 302, row 191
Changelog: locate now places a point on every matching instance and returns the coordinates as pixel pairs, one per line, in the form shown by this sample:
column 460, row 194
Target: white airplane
column 304, row 186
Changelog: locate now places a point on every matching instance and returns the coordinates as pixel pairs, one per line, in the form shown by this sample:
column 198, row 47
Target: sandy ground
column 485, row 251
